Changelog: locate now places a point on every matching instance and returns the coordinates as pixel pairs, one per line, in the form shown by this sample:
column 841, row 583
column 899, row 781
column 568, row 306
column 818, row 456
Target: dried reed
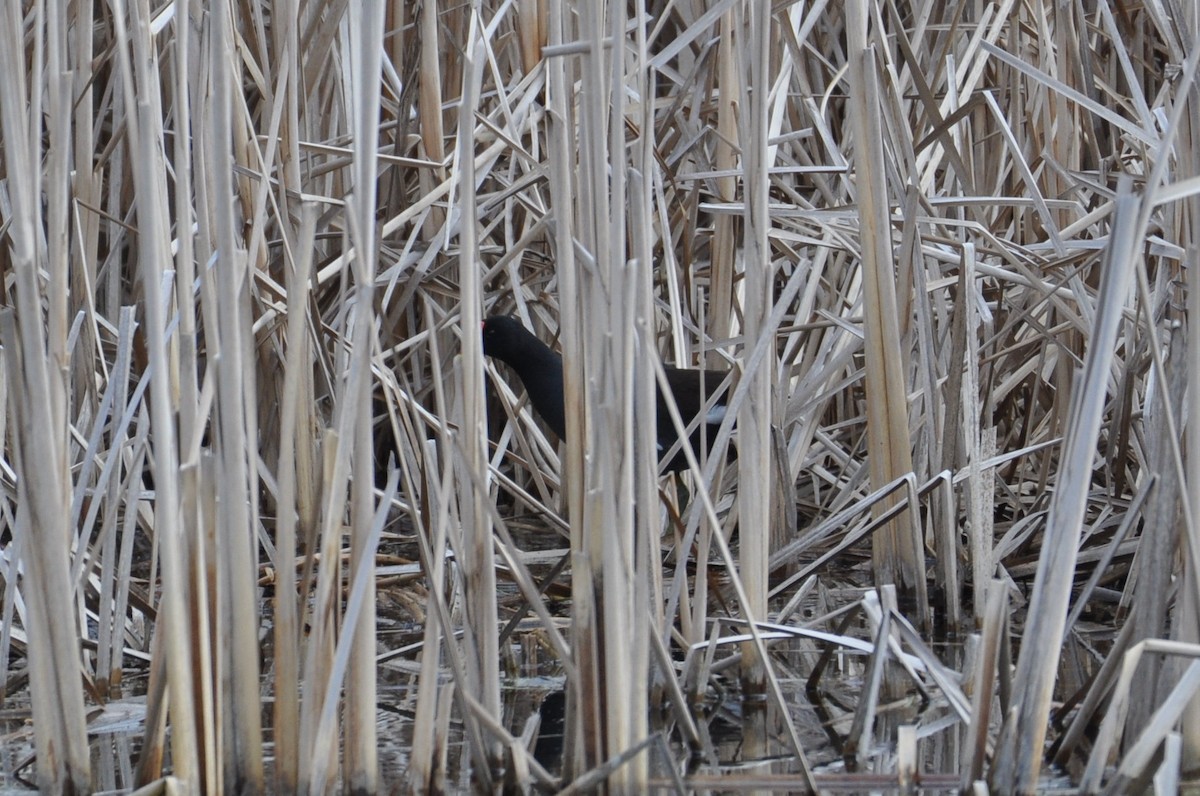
column 944, row 248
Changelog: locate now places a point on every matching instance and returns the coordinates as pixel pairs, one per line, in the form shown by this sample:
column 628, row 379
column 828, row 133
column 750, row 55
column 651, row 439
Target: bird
column 540, row 369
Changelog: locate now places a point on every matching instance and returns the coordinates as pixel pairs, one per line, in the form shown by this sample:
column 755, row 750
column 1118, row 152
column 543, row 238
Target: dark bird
column 541, row 371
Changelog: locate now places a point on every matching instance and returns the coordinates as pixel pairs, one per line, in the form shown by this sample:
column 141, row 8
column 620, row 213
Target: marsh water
column 741, row 745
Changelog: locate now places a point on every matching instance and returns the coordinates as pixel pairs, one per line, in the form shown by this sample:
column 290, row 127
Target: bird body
column 539, row 366
column 540, row 369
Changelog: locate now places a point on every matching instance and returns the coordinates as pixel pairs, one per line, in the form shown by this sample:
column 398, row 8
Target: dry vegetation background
column 944, row 246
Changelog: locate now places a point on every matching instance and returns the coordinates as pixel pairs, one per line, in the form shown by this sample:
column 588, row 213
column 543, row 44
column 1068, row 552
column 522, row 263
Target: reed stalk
column 287, row 613
column 365, row 47
column 756, row 416
column 481, row 642
column 895, row 558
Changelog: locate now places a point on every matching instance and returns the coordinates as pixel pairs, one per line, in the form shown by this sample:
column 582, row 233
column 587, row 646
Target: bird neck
column 539, row 365
column 541, row 370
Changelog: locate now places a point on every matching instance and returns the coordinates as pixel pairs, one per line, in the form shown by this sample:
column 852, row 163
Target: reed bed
column 257, row 470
